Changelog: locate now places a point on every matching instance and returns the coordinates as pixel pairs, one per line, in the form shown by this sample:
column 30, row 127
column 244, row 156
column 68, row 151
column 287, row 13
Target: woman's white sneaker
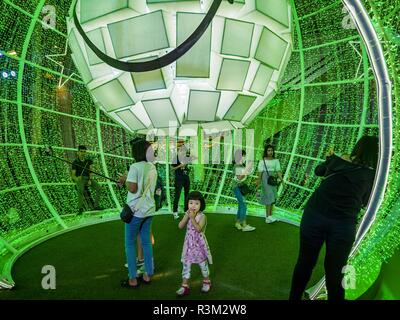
column 270, row 219
column 248, row 228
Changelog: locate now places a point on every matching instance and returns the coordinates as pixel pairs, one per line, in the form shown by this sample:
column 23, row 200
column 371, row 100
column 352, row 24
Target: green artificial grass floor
column 89, row 263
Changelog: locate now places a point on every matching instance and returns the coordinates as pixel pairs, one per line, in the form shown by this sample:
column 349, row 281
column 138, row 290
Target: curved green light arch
column 20, row 116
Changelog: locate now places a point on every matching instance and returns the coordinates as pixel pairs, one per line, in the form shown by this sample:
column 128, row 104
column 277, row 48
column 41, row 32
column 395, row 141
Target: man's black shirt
column 182, row 172
column 82, row 167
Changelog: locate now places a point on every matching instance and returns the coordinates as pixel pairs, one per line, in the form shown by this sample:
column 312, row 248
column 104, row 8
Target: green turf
column 90, row 261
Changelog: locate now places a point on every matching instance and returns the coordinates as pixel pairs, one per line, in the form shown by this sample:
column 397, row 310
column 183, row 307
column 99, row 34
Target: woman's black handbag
column 272, row 180
column 126, row 214
column 244, row 189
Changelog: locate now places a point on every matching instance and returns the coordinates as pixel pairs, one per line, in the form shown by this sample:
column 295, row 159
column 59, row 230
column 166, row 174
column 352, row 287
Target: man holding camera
column 82, row 175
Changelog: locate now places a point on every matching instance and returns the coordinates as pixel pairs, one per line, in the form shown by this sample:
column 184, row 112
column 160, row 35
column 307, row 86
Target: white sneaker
column 4, row 284
column 176, row 216
column 248, row 228
column 139, row 263
column 206, row 286
column 140, row 271
column 238, row 226
column 270, row 219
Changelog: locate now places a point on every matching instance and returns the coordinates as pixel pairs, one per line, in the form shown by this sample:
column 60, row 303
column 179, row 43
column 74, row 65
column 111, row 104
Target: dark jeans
column 179, row 184
column 81, row 184
column 338, row 235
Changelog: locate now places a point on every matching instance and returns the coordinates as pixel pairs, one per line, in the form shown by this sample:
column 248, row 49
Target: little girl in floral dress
column 195, row 247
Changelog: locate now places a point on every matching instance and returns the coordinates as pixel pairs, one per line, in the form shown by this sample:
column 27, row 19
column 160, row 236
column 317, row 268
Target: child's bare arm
column 199, row 226
column 184, row 221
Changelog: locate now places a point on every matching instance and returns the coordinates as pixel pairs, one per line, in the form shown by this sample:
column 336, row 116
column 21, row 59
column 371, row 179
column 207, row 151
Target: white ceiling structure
column 223, row 82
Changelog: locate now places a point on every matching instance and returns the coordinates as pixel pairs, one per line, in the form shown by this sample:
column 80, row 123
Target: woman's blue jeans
column 242, row 209
column 136, row 226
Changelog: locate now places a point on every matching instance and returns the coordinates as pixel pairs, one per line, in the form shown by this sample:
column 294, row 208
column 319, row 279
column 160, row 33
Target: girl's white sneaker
column 206, row 286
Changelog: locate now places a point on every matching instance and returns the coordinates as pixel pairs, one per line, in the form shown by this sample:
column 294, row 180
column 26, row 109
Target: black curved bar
column 155, row 63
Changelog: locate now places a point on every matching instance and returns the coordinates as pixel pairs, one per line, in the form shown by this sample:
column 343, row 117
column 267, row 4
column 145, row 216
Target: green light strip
column 8, row 246
column 27, row 186
column 322, row 124
column 226, row 167
column 299, row 187
column 31, row 16
column 327, row 44
column 328, row 83
column 60, row 113
column 102, row 157
column 116, row 156
column 302, row 92
column 45, row 184
column 320, row 10
column 21, row 68
column 392, row 13
column 366, row 93
column 44, row 68
column 299, row 155
column 167, row 174
column 61, row 148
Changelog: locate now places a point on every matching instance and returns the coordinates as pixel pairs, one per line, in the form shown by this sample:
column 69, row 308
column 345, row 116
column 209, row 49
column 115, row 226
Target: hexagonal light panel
column 226, row 78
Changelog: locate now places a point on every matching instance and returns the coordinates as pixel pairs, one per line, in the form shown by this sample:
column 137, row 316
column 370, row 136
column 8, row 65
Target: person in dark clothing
column 159, row 195
column 182, row 179
column 82, row 176
column 330, row 216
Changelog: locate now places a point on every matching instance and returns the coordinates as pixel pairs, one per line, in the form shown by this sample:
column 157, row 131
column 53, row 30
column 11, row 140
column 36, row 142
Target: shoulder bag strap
column 143, row 194
column 266, row 167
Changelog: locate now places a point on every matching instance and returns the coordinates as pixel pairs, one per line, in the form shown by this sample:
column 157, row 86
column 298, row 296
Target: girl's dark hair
column 196, row 195
column 239, row 154
column 140, row 150
column 365, row 152
column 266, row 147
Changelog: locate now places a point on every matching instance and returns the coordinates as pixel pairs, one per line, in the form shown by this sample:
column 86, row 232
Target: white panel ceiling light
column 230, row 73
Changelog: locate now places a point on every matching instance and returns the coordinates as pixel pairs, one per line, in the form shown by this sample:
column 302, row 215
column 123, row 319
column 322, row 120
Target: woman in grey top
column 268, row 166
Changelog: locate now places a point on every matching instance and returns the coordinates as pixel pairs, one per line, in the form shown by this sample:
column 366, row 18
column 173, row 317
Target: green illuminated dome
column 326, row 80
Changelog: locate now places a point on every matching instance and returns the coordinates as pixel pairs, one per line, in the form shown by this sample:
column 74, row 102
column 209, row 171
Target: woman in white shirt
column 268, row 166
column 141, row 183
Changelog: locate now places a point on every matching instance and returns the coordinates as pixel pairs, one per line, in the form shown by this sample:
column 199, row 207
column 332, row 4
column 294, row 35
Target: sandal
column 126, row 284
column 145, row 281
